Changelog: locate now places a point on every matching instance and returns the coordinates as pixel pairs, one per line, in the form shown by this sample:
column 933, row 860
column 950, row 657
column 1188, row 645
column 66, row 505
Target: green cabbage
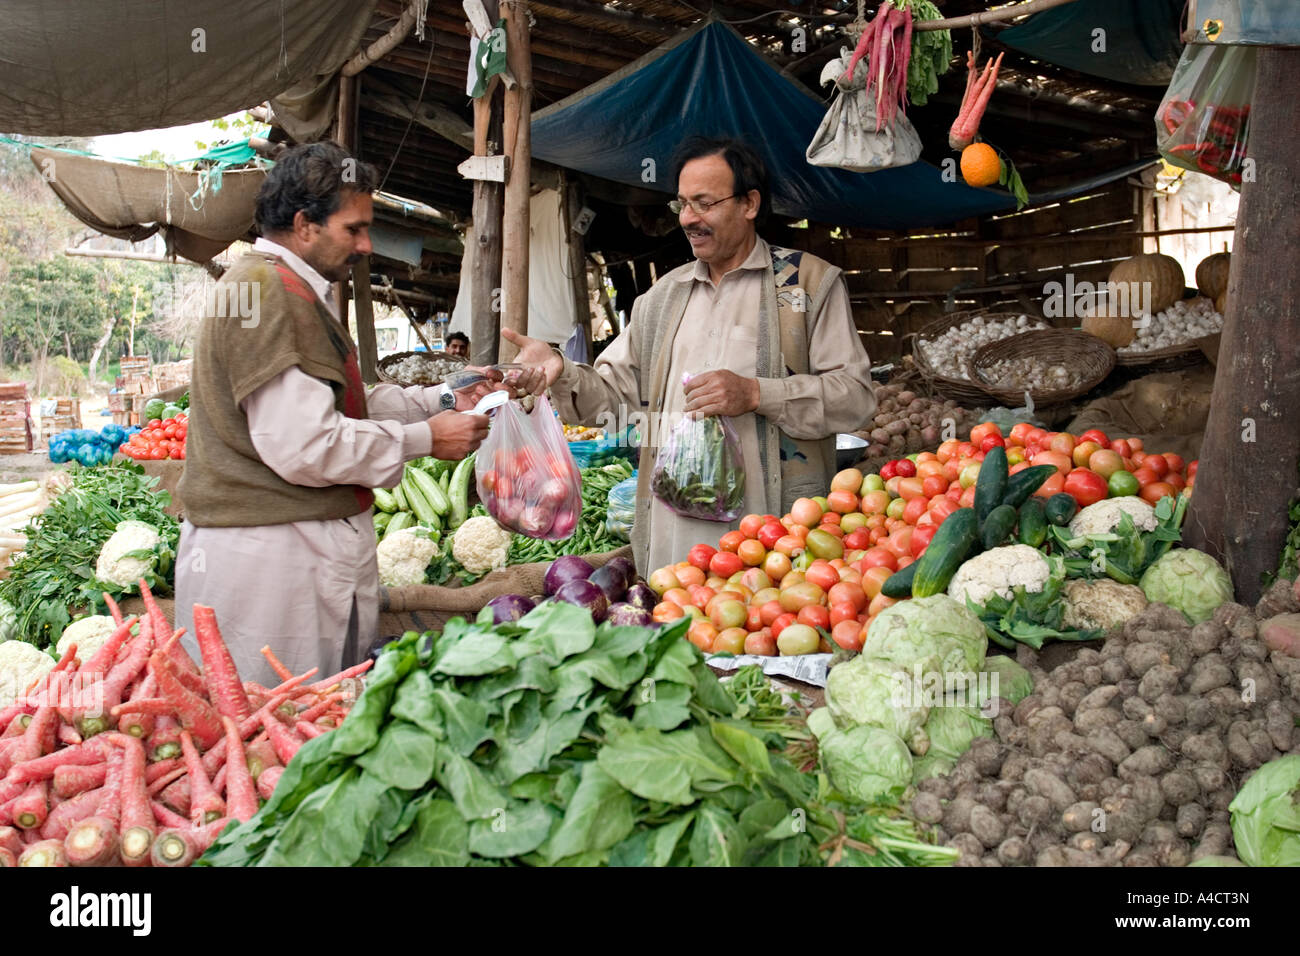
column 935, row 632
column 951, row 730
column 1266, row 815
column 931, row 765
column 864, row 763
column 865, row 691
column 1189, row 580
column 1014, row 683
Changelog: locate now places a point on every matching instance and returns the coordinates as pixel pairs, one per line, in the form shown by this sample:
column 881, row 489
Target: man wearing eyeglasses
column 760, row 334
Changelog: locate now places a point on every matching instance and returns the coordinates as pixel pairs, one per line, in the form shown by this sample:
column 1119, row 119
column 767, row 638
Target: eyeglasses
column 697, row 206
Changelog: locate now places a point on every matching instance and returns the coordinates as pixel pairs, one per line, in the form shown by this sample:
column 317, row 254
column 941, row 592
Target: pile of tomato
column 799, row 583
column 161, row 438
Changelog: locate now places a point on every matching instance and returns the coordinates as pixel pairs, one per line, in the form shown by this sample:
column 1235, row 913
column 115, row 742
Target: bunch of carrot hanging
column 902, row 66
column 137, row 756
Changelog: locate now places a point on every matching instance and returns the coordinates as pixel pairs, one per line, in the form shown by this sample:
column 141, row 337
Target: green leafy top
column 551, row 741
column 1126, row 552
column 56, row 575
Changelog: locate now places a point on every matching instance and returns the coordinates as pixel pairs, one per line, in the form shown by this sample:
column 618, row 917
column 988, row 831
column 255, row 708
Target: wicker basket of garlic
column 1169, row 339
column 1051, row 365
column 945, row 349
column 418, row 368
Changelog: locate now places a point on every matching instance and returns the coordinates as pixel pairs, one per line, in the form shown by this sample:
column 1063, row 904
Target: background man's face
column 333, row 247
column 725, row 229
column 457, row 347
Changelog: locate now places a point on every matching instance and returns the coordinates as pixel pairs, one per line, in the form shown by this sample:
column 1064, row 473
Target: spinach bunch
column 931, row 53
column 55, row 577
column 551, row 741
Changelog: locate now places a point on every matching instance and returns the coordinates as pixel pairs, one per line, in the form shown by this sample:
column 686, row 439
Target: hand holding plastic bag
column 526, row 477
column 700, row 472
column 621, row 512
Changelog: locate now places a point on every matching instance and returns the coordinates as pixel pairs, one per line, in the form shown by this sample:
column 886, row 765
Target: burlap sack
column 134, row 607
column 1168, row 411
column 427, row 607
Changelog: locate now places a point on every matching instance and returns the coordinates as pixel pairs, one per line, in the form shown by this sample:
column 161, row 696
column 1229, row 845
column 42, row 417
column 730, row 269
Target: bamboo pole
column 485, row 282
column 518, row 135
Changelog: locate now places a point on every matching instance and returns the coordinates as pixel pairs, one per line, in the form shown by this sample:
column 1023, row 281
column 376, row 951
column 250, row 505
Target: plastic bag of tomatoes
column 159, row 440
column 527, row 478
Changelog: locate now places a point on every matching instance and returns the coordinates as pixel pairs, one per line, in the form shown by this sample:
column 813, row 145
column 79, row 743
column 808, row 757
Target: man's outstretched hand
column 542, row 366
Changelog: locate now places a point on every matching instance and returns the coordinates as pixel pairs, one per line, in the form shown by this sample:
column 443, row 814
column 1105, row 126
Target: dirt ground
column 22, row 467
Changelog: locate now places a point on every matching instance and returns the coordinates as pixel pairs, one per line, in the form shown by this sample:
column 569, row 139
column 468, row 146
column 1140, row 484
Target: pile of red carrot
column 887, row 44
column 139, row 757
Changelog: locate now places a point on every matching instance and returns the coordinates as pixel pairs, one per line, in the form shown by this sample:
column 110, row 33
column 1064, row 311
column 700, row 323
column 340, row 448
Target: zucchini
column 403, row 519
column 381, row 520
column 1060, row 509
column 997, row 526
column 400, row 497
column 899, row 584
column 428, row 487
column 458, row 492
column 991, row 483
column 946, row 551
column 420, row 506
column 384, row 500
column 1024, row 483
column 1033, row 523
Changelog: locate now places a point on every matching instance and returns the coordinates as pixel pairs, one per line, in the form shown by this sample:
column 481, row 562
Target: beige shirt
column 309, row 589
column 720, row 330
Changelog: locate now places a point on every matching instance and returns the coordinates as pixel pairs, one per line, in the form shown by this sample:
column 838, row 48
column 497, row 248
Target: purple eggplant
column 610, row 580
column 564, row 569
column 642, row 595
column 629, row 615
column 509, row 607
column 586, row 595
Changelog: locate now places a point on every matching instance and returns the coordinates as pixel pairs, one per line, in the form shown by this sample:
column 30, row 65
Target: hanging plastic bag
column 700, row 472
column 1203, row 123
column 622, row 508
column 847, row 137
column 526, row 477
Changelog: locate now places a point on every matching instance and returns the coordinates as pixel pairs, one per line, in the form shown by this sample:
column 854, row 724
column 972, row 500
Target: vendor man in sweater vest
column 765, row 335
column 284, row 442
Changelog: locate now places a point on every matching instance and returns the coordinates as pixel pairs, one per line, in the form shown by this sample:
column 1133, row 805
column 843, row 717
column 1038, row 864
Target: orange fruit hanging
column 980, row 165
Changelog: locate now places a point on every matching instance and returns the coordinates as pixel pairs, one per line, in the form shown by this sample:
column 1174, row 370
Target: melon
column 1115, row 331
column 1163, row 273
column 1212, row 274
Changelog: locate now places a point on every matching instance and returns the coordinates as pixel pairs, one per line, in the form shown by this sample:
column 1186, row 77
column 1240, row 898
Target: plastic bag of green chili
column 699, row 471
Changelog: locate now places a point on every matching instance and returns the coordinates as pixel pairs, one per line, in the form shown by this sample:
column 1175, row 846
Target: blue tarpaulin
column 1129, row 41
column 711, row 81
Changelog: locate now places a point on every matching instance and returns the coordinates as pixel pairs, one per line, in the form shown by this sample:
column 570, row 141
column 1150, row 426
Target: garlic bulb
column 951, row 353
column 1181, row 323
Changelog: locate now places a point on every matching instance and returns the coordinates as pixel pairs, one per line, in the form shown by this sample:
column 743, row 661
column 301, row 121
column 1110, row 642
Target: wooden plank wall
column 899, row 283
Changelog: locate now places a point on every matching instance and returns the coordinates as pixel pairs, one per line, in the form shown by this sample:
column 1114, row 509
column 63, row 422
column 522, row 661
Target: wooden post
column 577, row 264
column 367, row 348
column 1247, row 473
column 485, row 284
column 518, row 133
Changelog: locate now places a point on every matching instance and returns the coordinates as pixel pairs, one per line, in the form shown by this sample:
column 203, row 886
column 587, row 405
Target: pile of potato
column 906, row 422
column 1127, row 756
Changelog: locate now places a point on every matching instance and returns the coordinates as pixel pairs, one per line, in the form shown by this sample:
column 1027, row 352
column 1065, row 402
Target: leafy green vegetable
column 1288, row 566
column 1006, row 679
column 935, row 632
column 1266, row 815
column 1189, row 580
column 953, row 728
column 55, row 578
column 865, row 763
column 1124, row 553
column 875, row 692
column 931, row 53
column 528, row 743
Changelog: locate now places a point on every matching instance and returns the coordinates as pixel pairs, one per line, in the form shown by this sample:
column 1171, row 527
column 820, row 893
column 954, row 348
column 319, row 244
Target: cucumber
column 997, row 526
column 403, row 519
column 1060, row 509
column 429, row 488
column 899, row 584
column 384, row 500
column 991, row 484
column 946, row 552
column 1024, row 483
column 1033, row 523
column 420, row 505
column 458, row 492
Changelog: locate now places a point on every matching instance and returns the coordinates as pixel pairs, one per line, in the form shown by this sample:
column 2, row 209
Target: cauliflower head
column 998, row 571
column 130, row 554
column 88, row 633
column 1104, row 516
column 1103, row 603
column 480, row 544
column 21, row 665
column 403, row 558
